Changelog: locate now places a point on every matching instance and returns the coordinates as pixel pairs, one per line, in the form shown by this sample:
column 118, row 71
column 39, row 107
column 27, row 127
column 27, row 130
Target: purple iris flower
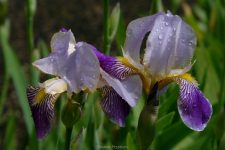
column 169, row 50
column 80, row 67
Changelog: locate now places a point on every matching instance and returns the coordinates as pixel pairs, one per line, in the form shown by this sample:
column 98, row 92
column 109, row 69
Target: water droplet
column 183, row 40
column 160, row 37
column 190, row 43
column 161, row 28
column 166, row 23
column 168, row 13
column 174, row 29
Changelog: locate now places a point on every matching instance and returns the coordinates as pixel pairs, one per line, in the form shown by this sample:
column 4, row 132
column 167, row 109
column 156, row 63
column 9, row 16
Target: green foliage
column 94, row 130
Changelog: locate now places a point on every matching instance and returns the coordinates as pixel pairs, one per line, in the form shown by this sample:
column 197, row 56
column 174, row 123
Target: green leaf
column 164, row 121
column 131, row 143
column 4, row 90
column 10, row 138
column 171, row 136
column 114, row 21
column 15, row 71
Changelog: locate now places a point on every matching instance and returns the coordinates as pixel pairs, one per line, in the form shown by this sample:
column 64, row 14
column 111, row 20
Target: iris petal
column 170, row 45
column 82, row 70
column 62, row 45
column 113, row 66
column 135, row 33
column 130, row 89
column 75, row 63
column 63, row 42
column 114, row 106
column 194, row 108
column 42, row 108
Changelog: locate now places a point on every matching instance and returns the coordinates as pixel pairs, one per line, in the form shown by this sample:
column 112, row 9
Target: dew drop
column 166, row 23
column 168, row 14
column 160, row 37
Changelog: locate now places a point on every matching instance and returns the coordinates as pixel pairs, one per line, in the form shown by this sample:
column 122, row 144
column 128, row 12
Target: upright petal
column 169, row 46
column 130, row 89
column 194, row 108
column 135, row 33
column 62, row 44
column 41, row 105
column 114, row 106
column 82, row 69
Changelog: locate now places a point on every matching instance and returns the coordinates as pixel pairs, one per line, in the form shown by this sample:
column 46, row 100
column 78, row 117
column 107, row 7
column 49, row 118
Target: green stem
column 106, row 42
column 29, row 28
column 68, row 137
column 4, row 91
column 30, row 4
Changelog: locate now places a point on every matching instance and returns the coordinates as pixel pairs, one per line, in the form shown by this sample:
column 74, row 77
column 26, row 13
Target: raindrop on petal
column 160, row 37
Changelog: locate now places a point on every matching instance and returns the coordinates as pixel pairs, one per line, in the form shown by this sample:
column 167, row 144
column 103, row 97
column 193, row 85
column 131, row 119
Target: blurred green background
column 26, row 28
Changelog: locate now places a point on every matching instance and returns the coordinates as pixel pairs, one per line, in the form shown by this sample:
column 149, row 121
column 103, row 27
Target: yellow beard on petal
column 125, row 62
column 189, row 78
column 168, row 80
column 39, row 96
column 145, row 79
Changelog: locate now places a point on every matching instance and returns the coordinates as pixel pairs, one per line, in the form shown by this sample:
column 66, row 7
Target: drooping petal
column 135, row 33
column 114, row 106
column 42, row 108
column 130, row 89
column 194, row 108
column 169, row 46
column 113, row 66
column 82, row 69
column 62, row 45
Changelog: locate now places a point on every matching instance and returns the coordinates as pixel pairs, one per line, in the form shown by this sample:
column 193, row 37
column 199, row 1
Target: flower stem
column 30, row 11
column 106, row 42
column 68, row 137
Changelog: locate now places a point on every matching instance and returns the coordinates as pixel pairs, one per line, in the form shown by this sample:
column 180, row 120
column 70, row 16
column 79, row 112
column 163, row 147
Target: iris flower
column 77, row 68
column 167, row 58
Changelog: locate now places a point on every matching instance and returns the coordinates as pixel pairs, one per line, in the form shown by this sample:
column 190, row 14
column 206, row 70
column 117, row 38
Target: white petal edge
column 130, row 89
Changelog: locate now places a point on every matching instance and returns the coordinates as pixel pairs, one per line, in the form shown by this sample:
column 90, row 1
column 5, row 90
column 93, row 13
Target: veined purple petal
column 42, row 111
column 130, row 89
column 135, row 33
column 113, row 66
column 170, row 45
column 114, row 106
column 194, row 108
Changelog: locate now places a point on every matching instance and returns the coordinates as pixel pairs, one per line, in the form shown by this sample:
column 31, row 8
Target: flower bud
column 71, row 113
